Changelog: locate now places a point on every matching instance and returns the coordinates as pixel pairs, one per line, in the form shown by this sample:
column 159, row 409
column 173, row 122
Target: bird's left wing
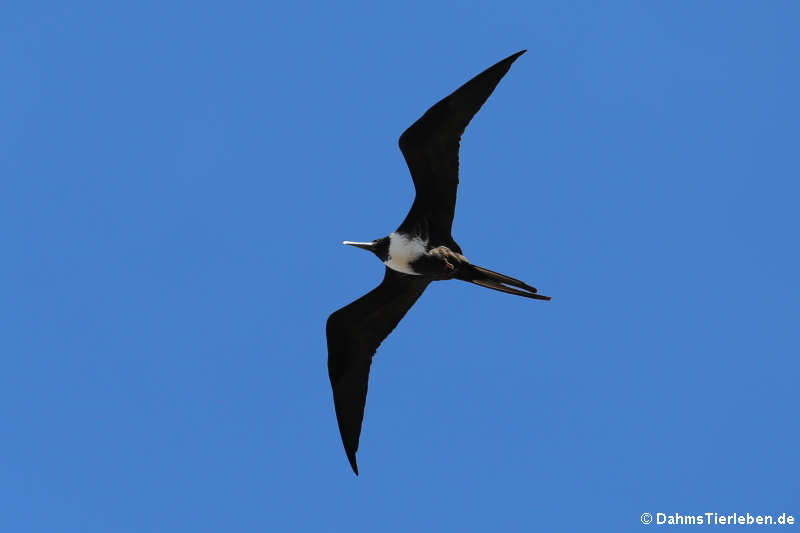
column 354, row 333
column 430, row 147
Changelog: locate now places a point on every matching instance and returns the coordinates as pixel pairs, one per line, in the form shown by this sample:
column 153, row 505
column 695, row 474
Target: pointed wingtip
column 352, row 458
column 513, row 57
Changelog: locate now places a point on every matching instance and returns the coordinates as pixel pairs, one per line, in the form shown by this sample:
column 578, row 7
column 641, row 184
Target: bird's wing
column 430, row 147
column 354, row 333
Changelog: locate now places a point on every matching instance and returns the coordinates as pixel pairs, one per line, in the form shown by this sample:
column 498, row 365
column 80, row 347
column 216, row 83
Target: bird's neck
column 404, row 249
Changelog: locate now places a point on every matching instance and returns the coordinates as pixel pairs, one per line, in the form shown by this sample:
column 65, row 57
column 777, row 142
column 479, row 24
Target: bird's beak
column 362, row 245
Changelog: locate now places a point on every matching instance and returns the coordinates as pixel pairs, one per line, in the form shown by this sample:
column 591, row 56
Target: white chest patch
column 403, row 251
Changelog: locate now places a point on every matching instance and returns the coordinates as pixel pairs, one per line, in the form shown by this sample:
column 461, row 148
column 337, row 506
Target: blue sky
column 177, row 179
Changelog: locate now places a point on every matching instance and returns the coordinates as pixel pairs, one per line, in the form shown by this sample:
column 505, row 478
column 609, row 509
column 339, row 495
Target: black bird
column 421, row 250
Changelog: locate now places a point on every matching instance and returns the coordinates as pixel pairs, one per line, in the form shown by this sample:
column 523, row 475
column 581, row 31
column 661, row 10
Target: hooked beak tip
column 362, row 245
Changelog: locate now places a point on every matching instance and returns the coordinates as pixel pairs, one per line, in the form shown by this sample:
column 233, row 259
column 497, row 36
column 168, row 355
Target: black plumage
column 425, row 248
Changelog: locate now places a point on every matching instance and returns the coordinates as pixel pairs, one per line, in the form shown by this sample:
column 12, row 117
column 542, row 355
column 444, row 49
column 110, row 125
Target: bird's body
column 413, row 255
column 420, row 251
column 404, row 251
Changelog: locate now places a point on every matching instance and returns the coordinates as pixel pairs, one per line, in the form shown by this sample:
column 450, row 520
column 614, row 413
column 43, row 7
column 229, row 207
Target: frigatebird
column 421, row 250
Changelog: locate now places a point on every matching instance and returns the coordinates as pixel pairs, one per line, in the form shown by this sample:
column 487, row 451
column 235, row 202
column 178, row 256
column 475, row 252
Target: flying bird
column 419, row 251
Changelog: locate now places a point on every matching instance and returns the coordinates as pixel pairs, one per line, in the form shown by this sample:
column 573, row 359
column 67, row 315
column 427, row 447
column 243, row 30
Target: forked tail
column 499, row 282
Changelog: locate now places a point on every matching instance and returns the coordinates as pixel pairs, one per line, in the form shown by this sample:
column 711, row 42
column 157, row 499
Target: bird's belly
column 404, row 250
column 400, row 266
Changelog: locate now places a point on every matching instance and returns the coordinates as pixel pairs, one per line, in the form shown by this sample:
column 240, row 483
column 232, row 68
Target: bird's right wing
column 354, row 333
column 430, row 147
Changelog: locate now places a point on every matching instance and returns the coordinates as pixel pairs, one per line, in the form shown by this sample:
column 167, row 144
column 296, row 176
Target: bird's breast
column 404, row 250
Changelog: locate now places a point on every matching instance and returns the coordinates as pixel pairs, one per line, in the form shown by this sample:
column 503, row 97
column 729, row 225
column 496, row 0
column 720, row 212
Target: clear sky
column 175, row 182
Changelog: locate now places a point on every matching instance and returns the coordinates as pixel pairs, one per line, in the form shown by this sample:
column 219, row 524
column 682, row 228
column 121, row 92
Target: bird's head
column 379, row 247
